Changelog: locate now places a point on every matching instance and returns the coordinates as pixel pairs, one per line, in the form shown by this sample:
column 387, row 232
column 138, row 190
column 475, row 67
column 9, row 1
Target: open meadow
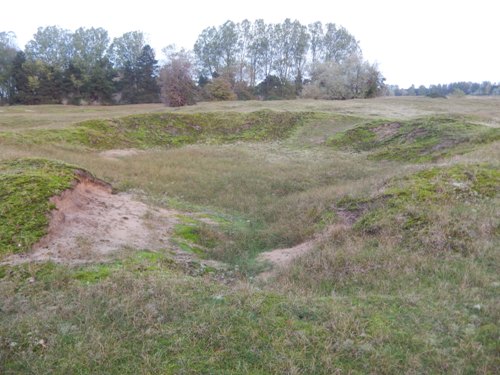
column 259, row 237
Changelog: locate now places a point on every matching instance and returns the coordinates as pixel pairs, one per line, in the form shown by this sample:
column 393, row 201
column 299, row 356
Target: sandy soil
column 91, row 224
column 385, row 131
column 283, row 258
column 119, row 153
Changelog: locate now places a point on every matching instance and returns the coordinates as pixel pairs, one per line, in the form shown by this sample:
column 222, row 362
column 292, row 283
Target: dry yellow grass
column 484, row 109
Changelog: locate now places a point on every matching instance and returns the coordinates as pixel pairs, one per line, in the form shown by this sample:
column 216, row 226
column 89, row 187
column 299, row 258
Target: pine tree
column 20, row 94
column 148, row 90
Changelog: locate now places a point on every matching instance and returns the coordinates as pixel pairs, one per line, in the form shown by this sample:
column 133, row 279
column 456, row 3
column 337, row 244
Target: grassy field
column 400, row 193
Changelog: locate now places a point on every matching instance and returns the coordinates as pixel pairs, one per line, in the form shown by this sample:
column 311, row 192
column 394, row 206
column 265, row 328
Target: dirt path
column 90, row 224
column 283, row 258
column 116, row 154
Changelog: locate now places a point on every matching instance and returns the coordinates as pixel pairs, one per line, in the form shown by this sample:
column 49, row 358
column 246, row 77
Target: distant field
column 486, row 110
column 395, row 199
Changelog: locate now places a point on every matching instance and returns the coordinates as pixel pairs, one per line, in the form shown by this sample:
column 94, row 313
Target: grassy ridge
column 167, row 129
column 26, row 185
column 419, row 140
column 439, row 214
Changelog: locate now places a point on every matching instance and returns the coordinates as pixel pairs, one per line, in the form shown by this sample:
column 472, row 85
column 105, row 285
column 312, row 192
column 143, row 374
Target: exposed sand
column 119, row 153
column 91, row 224
column 283, row 258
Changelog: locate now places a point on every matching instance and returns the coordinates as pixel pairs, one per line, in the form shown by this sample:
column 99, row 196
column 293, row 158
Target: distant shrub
column 352, row 78
column 435, row 95
column 219, row 90
column 311, row 91
column 243, row 91
column 457, row 93
column 275, row 88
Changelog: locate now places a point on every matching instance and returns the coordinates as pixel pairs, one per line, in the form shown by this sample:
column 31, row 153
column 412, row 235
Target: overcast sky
column 413, row 42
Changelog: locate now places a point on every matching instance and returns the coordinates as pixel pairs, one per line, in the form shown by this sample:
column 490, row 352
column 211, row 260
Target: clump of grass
column 204, row 236
column 139, row 262
column 188, row 238
column 93, row 274
column 167, row 130
column 419, row 140
column 26, row 185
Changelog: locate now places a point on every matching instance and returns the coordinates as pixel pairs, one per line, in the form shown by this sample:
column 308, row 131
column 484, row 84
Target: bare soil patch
column 417, row 133
column 283, row 258
column 120, row 153
column 91, row 224
column 386, row 131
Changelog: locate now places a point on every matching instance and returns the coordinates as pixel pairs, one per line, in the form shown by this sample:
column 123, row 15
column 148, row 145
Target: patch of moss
column 419, row 140
column 26, row 186
column 138, row 262
column 190, row 248
column 189, row 238
column 188, row 233
column 459, row 182
column 149, row 256
column 359, row 138
column 194, row 235
column 94, row 274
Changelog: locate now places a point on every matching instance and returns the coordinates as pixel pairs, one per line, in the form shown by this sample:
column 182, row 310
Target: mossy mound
column 436, row 210
column 167, row 130
column 419, row 140
column 26, row 186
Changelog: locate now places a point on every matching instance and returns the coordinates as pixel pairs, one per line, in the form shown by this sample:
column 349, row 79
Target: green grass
column 166, row 322
column 410, row 287
column 25, row 188
column 188, row 238
column 419, row 140
column 175, row 330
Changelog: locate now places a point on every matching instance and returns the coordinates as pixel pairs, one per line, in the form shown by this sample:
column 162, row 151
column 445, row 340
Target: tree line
column 246, row 60
column 232, row 61
column 280, row 60
column 59, row 66
column 485, row 88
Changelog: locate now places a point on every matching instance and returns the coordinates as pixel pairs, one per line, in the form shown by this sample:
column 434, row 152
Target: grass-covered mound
column 26, row 185
column 435, row 210
column 423, row 139
column 167, row 129
column 419, row 268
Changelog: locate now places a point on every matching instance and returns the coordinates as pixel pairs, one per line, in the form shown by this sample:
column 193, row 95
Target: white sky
column 413, row 41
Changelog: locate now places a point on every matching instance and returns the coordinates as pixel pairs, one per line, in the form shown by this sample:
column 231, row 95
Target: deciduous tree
column 176, row 77
column 52, row 46
column 8, row 52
